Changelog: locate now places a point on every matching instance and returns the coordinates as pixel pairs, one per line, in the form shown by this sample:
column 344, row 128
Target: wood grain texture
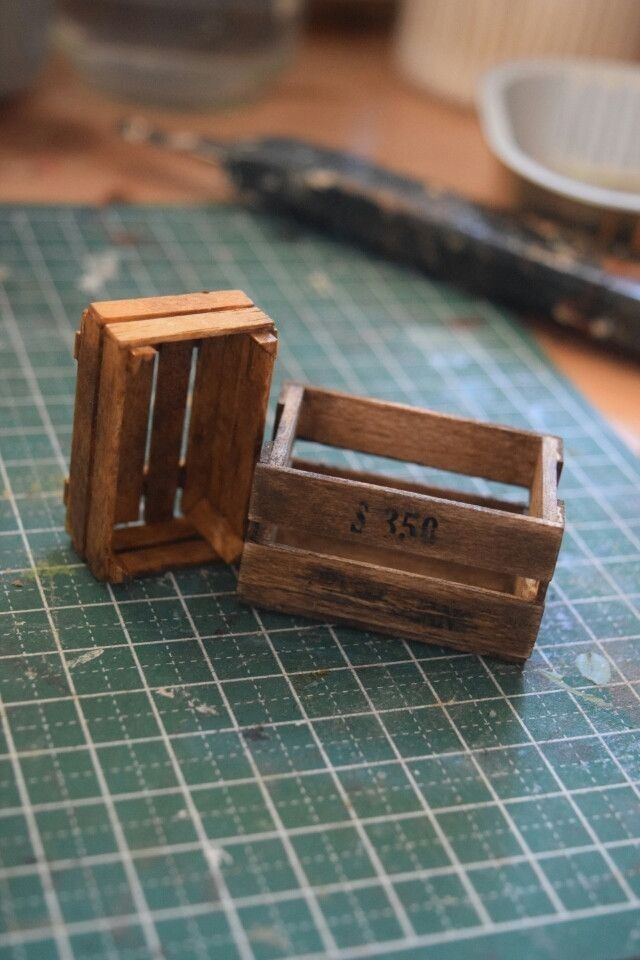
column 406, row 522
column 419, row 436
column 88, row 348
column 236, row 346
column 233, row 379
column 172, row 384
column 434, row 565
column 241, row 417
column 153, row 534
column 156, row 559
column 544, row 487
column 146, row 308
column 391, row 601
column 216, row 530
column 383, row 480
column 103, row 493
column 140, row 366
column 382, row 556
column 210, row 367
column 286, row 423
column 192, row 326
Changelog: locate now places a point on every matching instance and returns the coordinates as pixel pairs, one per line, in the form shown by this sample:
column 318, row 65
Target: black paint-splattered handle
column 508, row 258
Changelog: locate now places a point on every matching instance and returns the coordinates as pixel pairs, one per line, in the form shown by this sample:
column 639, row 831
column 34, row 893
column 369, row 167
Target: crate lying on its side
column 422, row 562
column 157, row 377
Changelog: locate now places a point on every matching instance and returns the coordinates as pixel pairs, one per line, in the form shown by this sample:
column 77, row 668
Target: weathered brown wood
column 286, row 424
column 172, row 384
column 192, row 326
column 419, row 436
column 153, row 534
column 242, row 412
column 134, row 433
column 544, row 487
column 406, row 522
column 391, row 601
column 216, row 530
column 382, row 556
column 117, row 346
column 544, row 503
column 156, row 559
column 145, row 308
column 426, row 563
column 235, row 379
column 382, row 480
column 88, row 349
column 211, row 364
column 101, row 512
column 266, row 340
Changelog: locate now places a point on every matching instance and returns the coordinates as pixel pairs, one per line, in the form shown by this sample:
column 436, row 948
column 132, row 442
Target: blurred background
column 412, row 85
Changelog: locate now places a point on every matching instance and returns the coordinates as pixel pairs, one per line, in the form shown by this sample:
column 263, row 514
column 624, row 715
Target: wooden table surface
column 60, row 144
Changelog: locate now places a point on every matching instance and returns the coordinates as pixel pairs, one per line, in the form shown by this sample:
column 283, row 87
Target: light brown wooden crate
column 422, row 562
column 117, row 347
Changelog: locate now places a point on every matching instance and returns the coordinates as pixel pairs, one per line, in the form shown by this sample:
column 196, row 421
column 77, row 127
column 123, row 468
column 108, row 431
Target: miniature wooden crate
column 157, row 377
column 422, row 562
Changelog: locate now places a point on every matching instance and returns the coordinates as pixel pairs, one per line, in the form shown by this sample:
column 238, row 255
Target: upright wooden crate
column 422, row 562
column 139, row 406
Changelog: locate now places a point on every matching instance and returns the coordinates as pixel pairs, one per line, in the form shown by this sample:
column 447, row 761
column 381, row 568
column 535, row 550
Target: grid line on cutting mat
column 181, row 776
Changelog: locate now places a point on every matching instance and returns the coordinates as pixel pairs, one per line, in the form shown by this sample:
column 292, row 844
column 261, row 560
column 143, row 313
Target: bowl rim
column 498, row 130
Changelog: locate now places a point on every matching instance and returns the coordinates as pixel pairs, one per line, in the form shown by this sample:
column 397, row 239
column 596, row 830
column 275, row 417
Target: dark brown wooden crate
column 422, row 562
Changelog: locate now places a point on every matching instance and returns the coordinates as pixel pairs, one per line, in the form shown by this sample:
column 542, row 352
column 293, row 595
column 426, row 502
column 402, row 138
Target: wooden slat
column 165, row 557
column 405, row 523
column 134, row 433
column 381, row 480
column 216, row 530
column 145, row 308
column 469, row 618
column 287, row 416
column 205, row 512
column 153, row 534
column 104, row 472
column 192, row 326
column 227, row 425
column 172, row 384
column 419, row 436
column 203, row 424
column 89, row 349
column 426, row 566
column 239, row 430
column 544, row 488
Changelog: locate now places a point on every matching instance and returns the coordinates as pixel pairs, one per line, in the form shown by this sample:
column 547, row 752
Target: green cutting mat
column 184, row 777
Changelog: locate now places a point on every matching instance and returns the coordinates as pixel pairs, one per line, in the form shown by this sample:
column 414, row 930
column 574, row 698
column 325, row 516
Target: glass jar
column 192, row 54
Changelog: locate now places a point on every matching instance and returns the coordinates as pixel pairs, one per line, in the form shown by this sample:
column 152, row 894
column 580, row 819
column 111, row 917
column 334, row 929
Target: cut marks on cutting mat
column 184, row 777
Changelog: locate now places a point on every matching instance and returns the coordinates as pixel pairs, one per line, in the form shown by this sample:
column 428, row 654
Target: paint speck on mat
column 85, row 657
column 98, row 269
column 321, row 283
column 192, row 703
column 593, row 666
column 216, row 856
column 270, row 936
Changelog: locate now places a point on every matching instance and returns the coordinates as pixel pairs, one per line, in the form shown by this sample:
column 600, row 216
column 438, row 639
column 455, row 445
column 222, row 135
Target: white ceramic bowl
column 572, row 128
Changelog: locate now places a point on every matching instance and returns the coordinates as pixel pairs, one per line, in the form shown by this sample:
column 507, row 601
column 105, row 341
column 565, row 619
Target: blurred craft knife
column 531, row 265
